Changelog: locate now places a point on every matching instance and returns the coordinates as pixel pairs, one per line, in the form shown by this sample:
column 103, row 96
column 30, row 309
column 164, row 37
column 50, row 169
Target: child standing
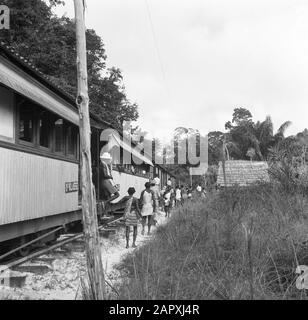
column 147, row 204
column 167, row 201
column 178, row 196
column 131, row 215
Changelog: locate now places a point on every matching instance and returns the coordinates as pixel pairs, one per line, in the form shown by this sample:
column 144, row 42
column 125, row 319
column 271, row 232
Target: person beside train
column 184, row 194
column 159, row 203
column 162, row 202
column 189, row 193
column 148, row 208
column 108, row 191
column 157, row 181
column 178, row 196
column 172, row 198
column 169, row 183
column 156, row 192
column 131, row 215
column 199, row 191
column 167, row 201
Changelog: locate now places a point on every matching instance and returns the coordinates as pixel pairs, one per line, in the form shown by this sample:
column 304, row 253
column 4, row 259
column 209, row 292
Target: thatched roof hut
column 243, row 173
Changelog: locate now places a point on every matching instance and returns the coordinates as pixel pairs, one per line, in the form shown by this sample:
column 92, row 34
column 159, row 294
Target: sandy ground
column 59, row 278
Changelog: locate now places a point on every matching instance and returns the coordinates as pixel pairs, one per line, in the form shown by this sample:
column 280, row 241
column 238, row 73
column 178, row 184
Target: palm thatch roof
column 243, row 173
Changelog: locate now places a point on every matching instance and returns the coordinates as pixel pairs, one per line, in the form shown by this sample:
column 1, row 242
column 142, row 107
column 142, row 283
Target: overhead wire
column 160, row 60
column 155, row 40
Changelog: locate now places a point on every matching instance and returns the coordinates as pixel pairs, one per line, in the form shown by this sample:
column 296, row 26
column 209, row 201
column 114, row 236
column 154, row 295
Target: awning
column 24, row 84
column 114, row 140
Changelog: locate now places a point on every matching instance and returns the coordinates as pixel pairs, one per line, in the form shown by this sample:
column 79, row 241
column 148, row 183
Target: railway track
column 18, row 261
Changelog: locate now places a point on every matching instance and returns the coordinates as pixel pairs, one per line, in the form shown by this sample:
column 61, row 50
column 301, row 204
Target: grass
column 236, row 244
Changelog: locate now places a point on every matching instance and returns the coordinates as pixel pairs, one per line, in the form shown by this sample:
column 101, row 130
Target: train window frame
column 63, row 139
column 5, row 138
column 35, row 146
column 32, row 143
column 75, row 153
column 50, row 129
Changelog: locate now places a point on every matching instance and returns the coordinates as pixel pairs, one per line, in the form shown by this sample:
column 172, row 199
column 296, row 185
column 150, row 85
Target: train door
column 95, row 159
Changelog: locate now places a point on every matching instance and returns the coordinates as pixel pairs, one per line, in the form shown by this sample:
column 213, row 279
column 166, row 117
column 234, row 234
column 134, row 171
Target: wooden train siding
column 34, row 186
column 126, row 180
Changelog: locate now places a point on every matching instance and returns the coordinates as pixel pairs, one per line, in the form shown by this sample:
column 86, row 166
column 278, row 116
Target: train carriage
column 39, row 153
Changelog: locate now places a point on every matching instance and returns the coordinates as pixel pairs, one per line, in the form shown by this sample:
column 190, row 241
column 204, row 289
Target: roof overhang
column 19, row 81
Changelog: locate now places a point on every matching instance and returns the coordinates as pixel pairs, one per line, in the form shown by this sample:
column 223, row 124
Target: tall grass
column 236, row 244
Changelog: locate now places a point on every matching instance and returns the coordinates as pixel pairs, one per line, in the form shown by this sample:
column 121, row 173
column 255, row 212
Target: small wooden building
column 243, row 173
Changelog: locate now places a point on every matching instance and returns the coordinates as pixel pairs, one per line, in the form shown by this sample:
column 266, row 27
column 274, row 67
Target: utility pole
column 95, row 269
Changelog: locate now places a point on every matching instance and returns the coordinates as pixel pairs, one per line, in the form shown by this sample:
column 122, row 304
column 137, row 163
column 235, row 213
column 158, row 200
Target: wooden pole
column 91, row 235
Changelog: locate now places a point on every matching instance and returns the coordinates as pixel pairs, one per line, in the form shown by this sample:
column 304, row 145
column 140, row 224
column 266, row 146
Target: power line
column 156, row 43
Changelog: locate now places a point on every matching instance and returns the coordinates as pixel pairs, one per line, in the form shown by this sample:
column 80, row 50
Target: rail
column 36, row 254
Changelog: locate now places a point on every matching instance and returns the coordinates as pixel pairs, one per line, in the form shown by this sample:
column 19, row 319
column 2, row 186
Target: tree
column 49, row 42
column 240, row 115
column 251, row 153
column 215, row 140
column 114, row 104
column 279, row 136
column 246, row 135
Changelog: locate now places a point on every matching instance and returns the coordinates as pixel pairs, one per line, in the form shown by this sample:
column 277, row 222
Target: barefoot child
column 131, row 215
column 147, row 202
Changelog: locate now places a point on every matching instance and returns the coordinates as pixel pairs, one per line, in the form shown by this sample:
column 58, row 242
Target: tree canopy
column 49, row 42
column 245, row 139
column 249, row 139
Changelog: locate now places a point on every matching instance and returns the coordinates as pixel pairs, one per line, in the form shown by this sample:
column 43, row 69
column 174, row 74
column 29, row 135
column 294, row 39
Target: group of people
column 152, row 203
column 146, row 209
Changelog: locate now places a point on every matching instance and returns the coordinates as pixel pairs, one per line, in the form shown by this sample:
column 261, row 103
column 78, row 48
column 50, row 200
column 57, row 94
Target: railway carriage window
column 59, row 136
column 72, row 140
column 26, row 123
column 46, row 132
column 44, row 129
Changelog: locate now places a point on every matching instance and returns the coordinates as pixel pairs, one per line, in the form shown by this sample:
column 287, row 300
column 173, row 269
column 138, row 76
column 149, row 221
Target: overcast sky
column 191, row 62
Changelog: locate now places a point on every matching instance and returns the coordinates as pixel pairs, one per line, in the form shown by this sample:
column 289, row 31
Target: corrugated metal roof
column 243, row 173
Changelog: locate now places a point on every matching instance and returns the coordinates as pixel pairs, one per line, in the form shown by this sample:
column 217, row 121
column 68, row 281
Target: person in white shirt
column 157, row 180
column 178, row 196
column 169, row 183
column 148, row 207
